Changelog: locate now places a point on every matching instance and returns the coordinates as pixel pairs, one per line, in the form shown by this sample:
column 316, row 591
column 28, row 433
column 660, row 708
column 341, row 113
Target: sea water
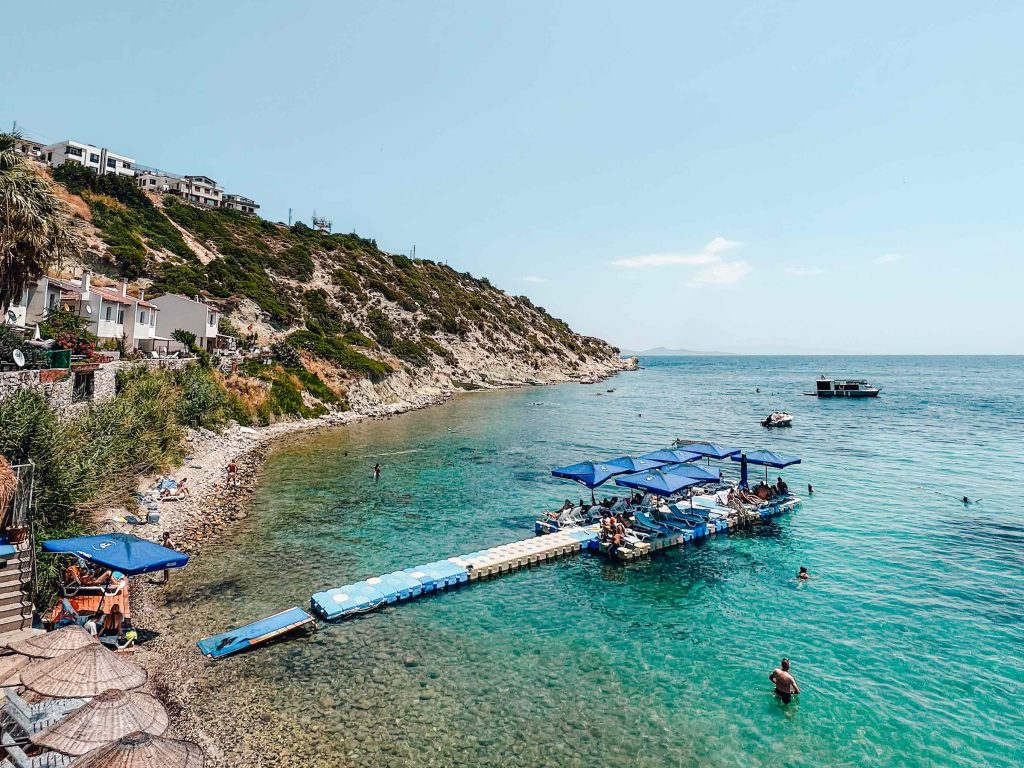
column 907, row 642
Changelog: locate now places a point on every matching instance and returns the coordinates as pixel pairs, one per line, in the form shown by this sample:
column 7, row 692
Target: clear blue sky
column 759, row 177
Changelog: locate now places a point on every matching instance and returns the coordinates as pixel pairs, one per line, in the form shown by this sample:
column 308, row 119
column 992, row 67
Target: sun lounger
column 16, row 758
column 32, row 718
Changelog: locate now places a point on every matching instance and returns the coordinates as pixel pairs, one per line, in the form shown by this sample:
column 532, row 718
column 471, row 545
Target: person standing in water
column 376, row 472
column 785, row 684
column 803, row 573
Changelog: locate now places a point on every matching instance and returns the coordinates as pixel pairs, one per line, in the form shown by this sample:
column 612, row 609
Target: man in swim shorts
column 785, row 684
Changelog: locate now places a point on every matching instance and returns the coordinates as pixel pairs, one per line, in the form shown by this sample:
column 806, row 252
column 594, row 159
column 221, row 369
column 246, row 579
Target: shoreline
column 210, row 512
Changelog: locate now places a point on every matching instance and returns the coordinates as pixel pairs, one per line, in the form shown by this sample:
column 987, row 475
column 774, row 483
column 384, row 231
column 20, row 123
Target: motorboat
column 825, row 387
column 777, row 419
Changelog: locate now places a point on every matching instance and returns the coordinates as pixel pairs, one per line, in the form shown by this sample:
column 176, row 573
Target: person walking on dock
column 785, row 684
column 376, row 472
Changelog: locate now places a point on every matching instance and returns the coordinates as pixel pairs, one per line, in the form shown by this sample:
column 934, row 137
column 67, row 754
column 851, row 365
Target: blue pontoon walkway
column 399, row 586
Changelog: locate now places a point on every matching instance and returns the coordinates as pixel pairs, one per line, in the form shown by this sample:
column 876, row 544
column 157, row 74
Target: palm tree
column 37, row 230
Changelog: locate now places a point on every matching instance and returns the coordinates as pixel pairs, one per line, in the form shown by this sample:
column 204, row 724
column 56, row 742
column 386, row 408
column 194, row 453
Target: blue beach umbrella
column 120, row 552
column 767, row 459
column 588, row 473
column 711, row 450
column 702, row 474
column 673, row 455
column 657, row 482
column 633, row 464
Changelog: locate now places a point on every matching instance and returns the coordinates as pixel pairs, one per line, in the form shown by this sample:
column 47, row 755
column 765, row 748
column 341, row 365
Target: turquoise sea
column 908, row 642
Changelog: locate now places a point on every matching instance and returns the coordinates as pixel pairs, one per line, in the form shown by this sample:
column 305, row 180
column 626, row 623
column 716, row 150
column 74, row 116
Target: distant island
column 666, row 352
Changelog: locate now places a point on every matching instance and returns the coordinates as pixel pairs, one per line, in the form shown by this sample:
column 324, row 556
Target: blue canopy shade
column 657, row 482
column 769, row 458
column 120, row 552
column 633, row 464
column 588, row 473
column 701, row 474
column 673, row 455
column 711, row 450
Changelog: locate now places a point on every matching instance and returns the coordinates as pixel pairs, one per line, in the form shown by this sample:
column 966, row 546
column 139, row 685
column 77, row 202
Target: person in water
column 803, row 573
column 810, row 489
column 376, row 471
column 785, row 684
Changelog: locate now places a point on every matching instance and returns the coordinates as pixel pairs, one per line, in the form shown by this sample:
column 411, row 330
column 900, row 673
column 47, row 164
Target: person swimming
column 803, row 573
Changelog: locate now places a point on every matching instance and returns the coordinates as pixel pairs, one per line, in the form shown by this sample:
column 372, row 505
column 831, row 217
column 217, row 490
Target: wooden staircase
column 16, row 588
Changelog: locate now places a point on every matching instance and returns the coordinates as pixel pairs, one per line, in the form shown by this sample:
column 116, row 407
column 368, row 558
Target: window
column 84, row 387
column 109, row 313
column 73, row 151
column 212, row 320
column 111, row 163
column 126, row 165
column 152, row 320
column 93, row 158
column 120, row 315
column 49, row 156
column 142, row 317
column 51, row 301
column 152, row 182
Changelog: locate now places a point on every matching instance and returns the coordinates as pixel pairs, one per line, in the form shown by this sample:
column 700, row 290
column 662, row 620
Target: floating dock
column 400, row 586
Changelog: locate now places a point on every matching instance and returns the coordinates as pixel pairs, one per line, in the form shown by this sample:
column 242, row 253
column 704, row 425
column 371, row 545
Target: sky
column 766, row 177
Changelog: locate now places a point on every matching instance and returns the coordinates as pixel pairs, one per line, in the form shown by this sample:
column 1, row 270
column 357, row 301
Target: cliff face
column 374, row 327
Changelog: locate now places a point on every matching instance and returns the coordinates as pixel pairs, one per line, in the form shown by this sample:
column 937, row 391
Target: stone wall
column 58, row 384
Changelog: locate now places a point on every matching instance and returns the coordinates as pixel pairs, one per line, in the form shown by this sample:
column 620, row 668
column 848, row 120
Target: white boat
column 777, row 419
column 843, row 388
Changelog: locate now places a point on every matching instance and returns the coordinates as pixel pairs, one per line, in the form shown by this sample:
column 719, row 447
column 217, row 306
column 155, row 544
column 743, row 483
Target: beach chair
column 16, row 757
column 33, row 718
column 648, row 524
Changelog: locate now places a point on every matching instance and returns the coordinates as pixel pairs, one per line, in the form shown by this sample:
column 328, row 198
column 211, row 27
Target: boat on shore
column 777, row 419
column 825, row 387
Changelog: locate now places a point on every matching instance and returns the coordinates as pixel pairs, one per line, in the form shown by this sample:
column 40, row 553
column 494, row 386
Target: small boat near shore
column 777, row 419
column 825, row 387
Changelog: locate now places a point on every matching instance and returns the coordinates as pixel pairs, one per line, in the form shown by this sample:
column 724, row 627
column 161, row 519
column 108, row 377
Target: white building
column 158, row 181
column 29, row 147
column 192, row 315
column 99, row 159
column 112, row 312
column 201, row 190
column 240, row 203
column 17, row 312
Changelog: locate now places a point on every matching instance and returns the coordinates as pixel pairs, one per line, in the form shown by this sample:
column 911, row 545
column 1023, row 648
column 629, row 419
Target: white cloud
column 887, row 258
column 721, row 273
column 715, row 270
column 804, row 271
column 534, row 279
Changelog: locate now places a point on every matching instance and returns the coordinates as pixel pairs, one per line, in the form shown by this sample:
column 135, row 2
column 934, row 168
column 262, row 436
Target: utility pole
column 289, row 217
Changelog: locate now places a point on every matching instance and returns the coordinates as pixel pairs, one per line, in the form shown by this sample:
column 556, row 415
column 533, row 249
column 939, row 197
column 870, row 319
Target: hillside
column 369, row 327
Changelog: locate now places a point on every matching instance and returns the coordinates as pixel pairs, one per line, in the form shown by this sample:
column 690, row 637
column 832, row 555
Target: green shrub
column 334, row 350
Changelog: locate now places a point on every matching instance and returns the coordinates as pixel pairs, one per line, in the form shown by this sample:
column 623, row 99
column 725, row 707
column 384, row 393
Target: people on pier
column 93, row 624
column 785, row 684
column 77, row 576
column 113, row 623
column 783, row 488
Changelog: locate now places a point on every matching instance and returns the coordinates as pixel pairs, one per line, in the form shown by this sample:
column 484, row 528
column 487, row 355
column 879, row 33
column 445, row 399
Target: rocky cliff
column 347, row 323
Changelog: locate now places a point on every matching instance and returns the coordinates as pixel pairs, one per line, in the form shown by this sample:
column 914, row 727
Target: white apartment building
column 99, row 159
column 192, row 315
column 16, row 313
column 240, row 203
column 112, row 312
column 201, row 190
column 29, row 147
column 158, row 181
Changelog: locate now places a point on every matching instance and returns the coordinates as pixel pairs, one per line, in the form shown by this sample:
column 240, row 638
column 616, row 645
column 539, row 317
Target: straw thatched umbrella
column 140, row 750
column 8, row 484
column 83, row 673
column 49, row 645
column 106, row 718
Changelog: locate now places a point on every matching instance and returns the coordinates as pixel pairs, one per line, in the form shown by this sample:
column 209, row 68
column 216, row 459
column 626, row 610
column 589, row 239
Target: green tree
column 36, row 227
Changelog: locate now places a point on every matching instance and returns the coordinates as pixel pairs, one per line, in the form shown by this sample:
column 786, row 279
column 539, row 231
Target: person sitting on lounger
column 76, row 577
column 113, row 623
column 762, row 492
column 92, row 626
column 181, row 492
